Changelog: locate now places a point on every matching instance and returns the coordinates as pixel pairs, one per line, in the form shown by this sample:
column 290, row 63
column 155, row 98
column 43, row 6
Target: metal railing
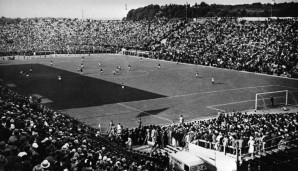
column 243, row 151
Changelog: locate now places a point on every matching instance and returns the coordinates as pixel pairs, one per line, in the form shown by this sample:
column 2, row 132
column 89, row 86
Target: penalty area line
column 144, row 112
column 209, row 92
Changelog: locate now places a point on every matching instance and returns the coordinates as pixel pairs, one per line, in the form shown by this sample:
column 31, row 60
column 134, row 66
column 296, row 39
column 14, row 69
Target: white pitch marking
column 208, row 92
column 245, row 101
column 247, row 72
column 287, row 87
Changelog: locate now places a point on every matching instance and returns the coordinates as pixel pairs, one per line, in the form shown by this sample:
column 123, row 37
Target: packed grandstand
column 257, row 46
column 34, row 137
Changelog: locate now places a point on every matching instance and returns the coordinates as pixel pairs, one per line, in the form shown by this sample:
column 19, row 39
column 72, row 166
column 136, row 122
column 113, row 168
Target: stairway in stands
column 167, row 149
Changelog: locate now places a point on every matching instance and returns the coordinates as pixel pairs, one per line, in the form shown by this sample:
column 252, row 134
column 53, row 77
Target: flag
column 125, row 6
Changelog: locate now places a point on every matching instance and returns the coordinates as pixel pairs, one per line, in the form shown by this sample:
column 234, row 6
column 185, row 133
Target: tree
column 266, row 13
column 203, row 4
column 243, row 13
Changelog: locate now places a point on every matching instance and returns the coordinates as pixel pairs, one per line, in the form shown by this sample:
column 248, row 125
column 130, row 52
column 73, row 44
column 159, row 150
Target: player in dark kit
column 272, row 101
column 158, row 66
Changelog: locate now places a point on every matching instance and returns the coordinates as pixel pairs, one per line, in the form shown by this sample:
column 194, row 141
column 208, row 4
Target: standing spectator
column 225, row 143
column 251, row 145
column 218, row 142
column 119, row 129
column 140, row 123
column 164, row 137
column 154, row 134
column 214, row 140
column 111, row 126
column 233, row 144
column 181, row 120
column 129, row 143
column 169, row 135
column 148, row 136
column 99, row 129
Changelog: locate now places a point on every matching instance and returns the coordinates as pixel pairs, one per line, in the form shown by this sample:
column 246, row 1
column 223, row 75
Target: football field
column 157, row 96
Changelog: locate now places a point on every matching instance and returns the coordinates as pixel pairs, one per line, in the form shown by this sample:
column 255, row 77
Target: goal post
column 274, row 99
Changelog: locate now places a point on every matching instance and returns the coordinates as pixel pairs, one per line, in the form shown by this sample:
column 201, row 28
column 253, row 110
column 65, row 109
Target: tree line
column 214, row 10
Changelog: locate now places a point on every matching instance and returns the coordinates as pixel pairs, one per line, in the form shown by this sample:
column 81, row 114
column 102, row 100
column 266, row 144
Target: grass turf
column 156, row 96
column 74, row 91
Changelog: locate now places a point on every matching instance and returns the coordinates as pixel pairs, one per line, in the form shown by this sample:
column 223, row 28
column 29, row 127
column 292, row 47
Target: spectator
column 251, row 144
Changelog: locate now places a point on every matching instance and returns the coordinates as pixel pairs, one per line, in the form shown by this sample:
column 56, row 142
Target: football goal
column 273, row 99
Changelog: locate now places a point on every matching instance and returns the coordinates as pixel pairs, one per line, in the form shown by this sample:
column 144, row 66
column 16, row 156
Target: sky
column 95, row 9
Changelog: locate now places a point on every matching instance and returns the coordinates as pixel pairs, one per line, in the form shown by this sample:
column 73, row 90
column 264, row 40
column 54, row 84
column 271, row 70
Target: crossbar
column 272, row 92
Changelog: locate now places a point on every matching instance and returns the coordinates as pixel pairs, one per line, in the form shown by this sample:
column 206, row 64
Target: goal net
column 268, row 100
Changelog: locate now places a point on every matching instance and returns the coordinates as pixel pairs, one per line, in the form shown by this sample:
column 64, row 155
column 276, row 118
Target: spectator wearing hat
column 45, row 164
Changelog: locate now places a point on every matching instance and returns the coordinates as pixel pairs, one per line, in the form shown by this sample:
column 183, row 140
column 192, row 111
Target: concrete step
column 179, row 148
column 169, row 150
column 142, row 148
column 147, row 149
column 173, row 148
column 275, row 150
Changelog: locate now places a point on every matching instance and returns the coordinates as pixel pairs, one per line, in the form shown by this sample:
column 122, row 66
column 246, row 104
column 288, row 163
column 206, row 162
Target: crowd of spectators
column 33, row 137
column 71, row 35
column 252, row 133
column 258, row 46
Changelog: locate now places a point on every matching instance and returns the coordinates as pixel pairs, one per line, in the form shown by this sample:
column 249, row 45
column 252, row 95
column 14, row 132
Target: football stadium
column 196, row 88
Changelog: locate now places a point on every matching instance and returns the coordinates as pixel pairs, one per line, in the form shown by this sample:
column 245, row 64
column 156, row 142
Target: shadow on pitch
column 151, row 112
column 218, row 83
